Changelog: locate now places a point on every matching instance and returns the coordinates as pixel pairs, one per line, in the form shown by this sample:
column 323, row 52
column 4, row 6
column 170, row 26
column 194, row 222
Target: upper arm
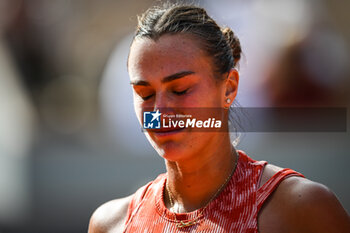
column 312, row 207
column 300, row 205
column 109, row 216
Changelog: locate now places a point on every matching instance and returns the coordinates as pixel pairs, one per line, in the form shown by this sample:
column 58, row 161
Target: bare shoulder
column 269, row 171
column 313, row 207
column 302, row 205
column 110, row 217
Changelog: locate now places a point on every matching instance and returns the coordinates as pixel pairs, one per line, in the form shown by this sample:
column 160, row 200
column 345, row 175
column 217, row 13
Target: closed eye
column 146, row 97
column 180, row 92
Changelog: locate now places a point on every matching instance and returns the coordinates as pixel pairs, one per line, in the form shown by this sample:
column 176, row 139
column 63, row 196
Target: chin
column 171, row 150
column 180, row 146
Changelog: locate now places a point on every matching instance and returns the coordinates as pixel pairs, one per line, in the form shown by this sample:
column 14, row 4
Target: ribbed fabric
column 235, row 209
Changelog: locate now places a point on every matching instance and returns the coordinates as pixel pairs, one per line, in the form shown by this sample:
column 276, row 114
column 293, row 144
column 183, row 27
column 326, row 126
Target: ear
column 231, row 87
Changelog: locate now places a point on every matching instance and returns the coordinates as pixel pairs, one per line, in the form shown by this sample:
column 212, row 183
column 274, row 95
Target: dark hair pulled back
column 219, row 43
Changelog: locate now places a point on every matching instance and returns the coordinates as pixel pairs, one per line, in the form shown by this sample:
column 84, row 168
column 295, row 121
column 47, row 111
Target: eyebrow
column 166, row 79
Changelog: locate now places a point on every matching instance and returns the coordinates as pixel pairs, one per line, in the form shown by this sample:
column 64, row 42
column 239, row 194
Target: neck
column 195, row 182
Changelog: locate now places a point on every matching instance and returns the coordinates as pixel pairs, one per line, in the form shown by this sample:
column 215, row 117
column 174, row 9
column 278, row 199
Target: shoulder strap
column 267, row 189
column 139, row 197
column 136, row 201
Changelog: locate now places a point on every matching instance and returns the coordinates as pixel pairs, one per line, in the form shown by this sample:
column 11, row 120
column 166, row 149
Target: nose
column 162, row 103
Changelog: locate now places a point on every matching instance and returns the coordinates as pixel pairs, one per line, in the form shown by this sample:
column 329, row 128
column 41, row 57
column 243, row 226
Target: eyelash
column 180, row 92
column 175, row 92
column 147, row 97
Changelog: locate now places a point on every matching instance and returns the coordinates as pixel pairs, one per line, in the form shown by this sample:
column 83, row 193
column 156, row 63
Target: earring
column 228, row 100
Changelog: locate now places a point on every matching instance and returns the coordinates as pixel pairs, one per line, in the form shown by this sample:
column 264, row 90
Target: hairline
column 192, row 36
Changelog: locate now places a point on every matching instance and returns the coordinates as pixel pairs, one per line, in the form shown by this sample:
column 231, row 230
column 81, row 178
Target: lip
column 167, row 132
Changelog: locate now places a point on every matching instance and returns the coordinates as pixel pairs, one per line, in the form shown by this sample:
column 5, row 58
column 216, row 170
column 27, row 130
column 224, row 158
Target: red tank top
column 235, row 209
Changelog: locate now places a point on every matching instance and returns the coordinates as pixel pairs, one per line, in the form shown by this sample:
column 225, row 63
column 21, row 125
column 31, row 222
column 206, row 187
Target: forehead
column 167, row 55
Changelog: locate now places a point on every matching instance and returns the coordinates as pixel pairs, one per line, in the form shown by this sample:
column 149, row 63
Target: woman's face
column 169, row 74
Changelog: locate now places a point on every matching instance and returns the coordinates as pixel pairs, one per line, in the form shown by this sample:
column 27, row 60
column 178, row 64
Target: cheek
column 216, row 92
column 141, row 106
column 138, row 108
column 207, row 95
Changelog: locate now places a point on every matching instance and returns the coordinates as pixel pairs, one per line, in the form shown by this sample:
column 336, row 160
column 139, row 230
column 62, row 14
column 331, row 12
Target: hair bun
column 234, row 43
